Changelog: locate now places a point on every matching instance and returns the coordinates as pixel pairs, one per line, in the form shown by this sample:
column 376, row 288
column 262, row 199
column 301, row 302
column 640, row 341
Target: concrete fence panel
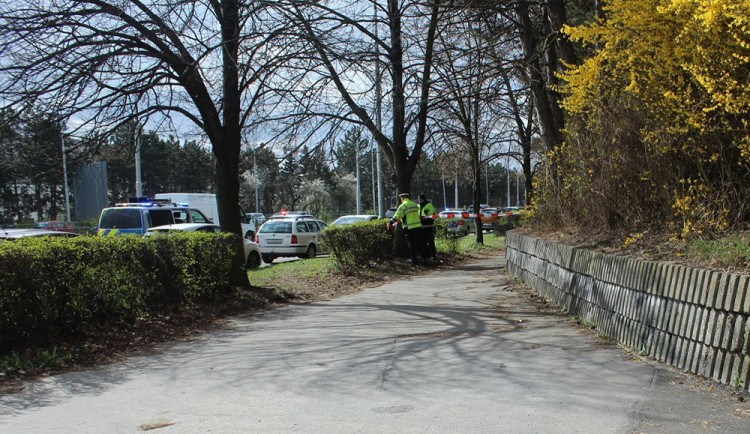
column 697, row 320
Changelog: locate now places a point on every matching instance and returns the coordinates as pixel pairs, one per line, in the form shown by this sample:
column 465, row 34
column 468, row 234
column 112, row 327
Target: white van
column 208, row 204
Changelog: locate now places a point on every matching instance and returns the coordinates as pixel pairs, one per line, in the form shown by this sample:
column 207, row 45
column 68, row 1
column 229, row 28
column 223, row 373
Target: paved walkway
column 458, row 350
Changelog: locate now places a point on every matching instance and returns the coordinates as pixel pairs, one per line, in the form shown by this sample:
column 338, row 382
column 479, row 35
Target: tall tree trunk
column 403, row 178
column 551, row 131
column 558, row 18
column 527, row 176
column 228, row 151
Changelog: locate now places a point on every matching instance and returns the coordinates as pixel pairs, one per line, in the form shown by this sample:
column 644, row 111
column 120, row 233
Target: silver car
column 351, row 219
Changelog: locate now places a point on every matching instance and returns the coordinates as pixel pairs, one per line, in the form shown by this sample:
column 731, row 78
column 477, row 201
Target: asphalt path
column 457, row 350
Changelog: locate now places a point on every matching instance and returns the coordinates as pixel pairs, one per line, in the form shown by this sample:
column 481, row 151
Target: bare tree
column 331, row 84
column 483, row 104
column 102, row 63
column 467, row 100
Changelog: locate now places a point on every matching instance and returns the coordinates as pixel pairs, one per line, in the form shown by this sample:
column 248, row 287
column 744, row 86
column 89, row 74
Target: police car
column 139, row 214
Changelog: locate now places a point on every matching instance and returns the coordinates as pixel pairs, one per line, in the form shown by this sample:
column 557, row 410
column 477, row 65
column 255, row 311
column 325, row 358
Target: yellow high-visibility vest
column 408, row 213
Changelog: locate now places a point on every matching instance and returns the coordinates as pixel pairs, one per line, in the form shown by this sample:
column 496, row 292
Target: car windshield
column 272, row 227
column 122, row 218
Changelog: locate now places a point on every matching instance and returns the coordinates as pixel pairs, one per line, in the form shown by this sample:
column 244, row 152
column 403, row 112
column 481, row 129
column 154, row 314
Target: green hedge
column 352, row 246
column 55, row 287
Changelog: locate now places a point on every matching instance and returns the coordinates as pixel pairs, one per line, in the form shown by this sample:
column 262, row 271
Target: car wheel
column 311, row 251
column 253, row 260
column 267, row 259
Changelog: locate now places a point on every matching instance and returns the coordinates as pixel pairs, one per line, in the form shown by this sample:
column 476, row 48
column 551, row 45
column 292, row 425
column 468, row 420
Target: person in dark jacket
column 426, row 213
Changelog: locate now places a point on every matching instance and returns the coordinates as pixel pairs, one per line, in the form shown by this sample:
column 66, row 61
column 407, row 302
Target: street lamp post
column 65, row 178
column 507, row 170
column 138, row 173
column 356, row 153
column 255, row 181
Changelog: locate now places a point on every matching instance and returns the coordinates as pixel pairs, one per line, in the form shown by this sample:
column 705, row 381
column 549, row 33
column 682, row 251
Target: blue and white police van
column 138, row 214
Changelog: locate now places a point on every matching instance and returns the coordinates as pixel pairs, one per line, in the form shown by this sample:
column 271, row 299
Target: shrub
column 352, row 246
column 53, row 287
column 507, row 223
column 445, row 241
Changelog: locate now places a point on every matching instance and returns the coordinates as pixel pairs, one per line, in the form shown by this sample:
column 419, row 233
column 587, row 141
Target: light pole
column 65, row 178
column 356, row 153
column 507, row 169
column 374, row 180
column 255, row 181
column 445, row 197
column 138, row 174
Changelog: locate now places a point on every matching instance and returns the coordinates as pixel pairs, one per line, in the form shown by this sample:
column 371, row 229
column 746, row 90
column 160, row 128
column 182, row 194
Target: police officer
column 426, row 211
column 408, row 213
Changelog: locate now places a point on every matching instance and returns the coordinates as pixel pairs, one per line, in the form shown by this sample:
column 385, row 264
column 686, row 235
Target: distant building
column 91, row 191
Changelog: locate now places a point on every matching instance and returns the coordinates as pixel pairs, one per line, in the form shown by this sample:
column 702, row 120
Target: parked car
column 489, row 217
column 251, row 249
column 256, row 218
column 284, row 213
column 482, row 206
column 16, row 234
column 390, row 212
column 54, row 226
column 285, row 236
column 458, row 222
column 351, row 219
column 138, row 217
column 515, row 210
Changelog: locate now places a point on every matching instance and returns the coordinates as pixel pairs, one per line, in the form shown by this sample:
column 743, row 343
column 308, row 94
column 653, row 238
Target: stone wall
column 693, row 319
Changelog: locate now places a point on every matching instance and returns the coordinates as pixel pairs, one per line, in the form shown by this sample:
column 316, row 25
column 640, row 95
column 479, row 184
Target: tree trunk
column 227, row 151
column 403, row 179
column 551, row 132
column 558, row 18
column 527, row 176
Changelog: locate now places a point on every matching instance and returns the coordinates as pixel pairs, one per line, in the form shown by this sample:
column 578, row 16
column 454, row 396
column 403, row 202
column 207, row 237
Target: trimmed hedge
column 354, row 245
column 54, row 287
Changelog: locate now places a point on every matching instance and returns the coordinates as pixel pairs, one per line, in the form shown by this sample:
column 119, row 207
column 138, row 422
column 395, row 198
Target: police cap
column 403, row 195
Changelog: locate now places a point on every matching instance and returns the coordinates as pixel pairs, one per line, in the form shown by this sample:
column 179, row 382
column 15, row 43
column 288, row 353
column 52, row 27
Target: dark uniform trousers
column 416, row 243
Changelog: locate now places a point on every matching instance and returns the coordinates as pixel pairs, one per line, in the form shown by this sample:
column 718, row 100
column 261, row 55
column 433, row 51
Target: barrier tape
column 467, row 215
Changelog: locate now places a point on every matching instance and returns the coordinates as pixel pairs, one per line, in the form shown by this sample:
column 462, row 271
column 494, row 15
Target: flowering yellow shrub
column 658, row 117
